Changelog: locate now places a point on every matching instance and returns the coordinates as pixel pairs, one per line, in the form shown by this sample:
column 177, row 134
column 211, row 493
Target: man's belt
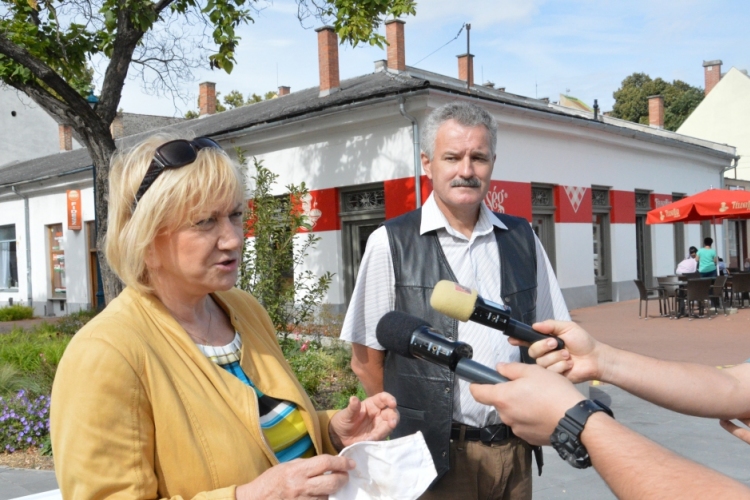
column 487, row 435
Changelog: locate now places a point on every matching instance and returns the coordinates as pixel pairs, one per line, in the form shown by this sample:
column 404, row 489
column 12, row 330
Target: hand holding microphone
column 463, row 304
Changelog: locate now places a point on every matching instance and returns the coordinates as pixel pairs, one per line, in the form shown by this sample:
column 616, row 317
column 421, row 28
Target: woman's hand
column 737, row 431
column 301, row 479
column 369, row 420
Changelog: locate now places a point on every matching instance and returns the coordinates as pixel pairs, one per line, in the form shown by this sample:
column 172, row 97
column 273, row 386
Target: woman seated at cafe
column 179, row 389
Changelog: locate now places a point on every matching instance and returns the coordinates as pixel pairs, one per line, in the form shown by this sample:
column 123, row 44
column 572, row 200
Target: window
column 8, row 260
column 57, row 260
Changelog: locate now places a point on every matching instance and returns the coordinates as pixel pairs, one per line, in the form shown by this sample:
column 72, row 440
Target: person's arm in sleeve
column 371, row 299
column 688, row 388
column 102, row 428
column 535, row 400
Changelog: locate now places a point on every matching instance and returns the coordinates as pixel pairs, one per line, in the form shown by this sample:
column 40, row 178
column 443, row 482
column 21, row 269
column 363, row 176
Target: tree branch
column 77, row 104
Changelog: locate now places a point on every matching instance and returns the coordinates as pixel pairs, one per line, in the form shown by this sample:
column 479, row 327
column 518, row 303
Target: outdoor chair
column 740, row 288
column 670, row 286
column 716, row 293
column 698, row 295
column 648, row 294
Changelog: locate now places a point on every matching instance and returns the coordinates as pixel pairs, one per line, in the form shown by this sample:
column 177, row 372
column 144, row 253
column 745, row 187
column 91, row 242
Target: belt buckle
column 488, row 434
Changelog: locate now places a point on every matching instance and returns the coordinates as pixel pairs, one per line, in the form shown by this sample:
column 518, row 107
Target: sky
column 535, row 48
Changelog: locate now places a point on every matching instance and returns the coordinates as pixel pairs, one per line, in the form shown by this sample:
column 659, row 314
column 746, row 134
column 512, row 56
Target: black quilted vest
column 424, row 391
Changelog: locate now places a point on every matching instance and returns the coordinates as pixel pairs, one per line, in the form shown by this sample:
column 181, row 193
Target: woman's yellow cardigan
column 139, row 412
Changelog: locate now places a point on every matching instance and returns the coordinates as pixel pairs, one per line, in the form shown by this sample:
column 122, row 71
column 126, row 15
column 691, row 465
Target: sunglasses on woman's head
column 173, row 154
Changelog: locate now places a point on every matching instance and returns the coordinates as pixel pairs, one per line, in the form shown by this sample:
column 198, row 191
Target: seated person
column 689, row 265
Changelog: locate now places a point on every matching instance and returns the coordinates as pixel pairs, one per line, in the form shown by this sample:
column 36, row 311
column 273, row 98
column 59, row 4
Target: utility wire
column 449, row 41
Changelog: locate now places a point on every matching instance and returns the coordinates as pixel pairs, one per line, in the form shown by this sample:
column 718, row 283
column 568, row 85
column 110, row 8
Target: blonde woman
column 179, row 388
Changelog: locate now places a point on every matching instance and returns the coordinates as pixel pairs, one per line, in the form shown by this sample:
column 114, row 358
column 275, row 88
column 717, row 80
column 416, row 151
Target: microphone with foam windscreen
column 463, row 304
column 413, row 337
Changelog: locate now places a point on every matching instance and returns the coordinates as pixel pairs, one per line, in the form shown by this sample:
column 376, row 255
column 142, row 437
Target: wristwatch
column 567, row 436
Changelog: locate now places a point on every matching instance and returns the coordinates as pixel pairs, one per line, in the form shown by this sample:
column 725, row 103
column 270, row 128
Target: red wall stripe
column 400, row 196
column 573, row 204
column 322, row 210
column 623, row 207
column 513, row 198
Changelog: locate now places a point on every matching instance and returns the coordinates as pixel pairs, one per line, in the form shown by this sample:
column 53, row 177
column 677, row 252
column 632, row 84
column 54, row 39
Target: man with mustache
column 454, row 236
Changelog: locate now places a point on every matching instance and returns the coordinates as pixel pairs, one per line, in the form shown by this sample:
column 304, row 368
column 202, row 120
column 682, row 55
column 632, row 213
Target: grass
column 16, row 312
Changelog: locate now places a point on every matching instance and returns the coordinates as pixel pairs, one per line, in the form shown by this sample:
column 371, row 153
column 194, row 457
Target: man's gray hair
column 465, row 113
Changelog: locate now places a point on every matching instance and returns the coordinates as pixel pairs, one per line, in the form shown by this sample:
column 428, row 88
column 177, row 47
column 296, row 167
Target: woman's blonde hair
column 175, row 200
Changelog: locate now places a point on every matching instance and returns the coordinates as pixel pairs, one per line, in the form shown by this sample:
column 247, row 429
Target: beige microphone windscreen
column 453, row 300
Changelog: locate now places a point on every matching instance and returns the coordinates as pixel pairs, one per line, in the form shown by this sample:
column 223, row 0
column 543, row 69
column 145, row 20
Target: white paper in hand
column 399, row 469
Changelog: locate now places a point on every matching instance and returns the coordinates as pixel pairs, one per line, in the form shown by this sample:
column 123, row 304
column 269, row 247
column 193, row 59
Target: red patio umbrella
column 706, row 205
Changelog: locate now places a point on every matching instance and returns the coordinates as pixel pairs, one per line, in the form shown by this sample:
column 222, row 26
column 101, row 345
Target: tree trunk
column 101, row 148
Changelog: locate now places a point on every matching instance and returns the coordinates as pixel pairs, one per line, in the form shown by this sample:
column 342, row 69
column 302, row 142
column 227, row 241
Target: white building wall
column 28, row 131
column 12, row 213
column 575, row 268
column 624, row 261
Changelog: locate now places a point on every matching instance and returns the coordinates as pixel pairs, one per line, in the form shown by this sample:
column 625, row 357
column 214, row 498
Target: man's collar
column 433, row 218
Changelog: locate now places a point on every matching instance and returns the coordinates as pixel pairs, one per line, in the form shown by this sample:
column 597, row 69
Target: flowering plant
column 24, row 421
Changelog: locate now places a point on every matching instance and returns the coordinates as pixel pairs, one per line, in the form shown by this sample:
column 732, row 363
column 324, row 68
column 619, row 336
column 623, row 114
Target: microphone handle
column 522, row 331
column 477, row 373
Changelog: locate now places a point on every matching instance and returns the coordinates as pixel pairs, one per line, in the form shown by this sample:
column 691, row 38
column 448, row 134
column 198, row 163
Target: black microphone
column 463, row 304
column 413, row 337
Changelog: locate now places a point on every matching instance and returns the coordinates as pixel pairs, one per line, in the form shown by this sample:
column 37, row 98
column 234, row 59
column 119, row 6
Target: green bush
column 34, row 354
column 16, row 312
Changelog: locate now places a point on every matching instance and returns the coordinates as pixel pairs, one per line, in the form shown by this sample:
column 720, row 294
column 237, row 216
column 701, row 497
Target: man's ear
column 426, row 165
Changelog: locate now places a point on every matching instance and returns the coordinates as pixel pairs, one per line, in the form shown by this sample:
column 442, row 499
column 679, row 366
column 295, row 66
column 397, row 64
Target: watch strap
column 566, row 438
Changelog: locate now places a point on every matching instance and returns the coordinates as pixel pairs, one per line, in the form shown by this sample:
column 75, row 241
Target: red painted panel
column 573, row 204
column 322, row 209
column 659, row 200
column 400, row 197
column 513, row 198
column 623, row 207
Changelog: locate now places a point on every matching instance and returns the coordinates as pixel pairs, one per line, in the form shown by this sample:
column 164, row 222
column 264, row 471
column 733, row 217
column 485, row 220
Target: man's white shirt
column 476, row 264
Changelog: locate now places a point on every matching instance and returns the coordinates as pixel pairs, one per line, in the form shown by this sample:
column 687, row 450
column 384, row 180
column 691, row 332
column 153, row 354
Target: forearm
column 367, row 364
column 688, row 388
column 636, row 468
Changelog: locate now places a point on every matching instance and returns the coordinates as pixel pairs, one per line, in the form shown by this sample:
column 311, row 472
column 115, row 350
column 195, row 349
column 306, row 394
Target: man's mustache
column 472, row 182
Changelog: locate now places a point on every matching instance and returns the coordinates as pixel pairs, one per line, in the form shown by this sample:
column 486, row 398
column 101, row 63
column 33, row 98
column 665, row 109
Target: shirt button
column 447, row 389
column 443, row 454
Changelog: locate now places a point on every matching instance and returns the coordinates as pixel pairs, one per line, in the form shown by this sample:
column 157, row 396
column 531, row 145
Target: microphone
column 463, row 304
column 413, row 337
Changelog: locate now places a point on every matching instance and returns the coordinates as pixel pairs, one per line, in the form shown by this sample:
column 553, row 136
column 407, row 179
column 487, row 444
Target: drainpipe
column 28, row 244
column 417, row 161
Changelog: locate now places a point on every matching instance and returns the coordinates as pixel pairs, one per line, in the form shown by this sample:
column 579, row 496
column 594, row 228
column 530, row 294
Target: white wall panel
column 624, row 258
column 575, row 255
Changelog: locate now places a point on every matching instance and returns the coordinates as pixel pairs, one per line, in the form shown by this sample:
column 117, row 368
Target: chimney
column 712, row 74
column 328, row 60
column 283, row 90
column 66, row 137
column 656, row 111
column 466, row 68
column 394, row 32
column 116, row 128
column 207, row 98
